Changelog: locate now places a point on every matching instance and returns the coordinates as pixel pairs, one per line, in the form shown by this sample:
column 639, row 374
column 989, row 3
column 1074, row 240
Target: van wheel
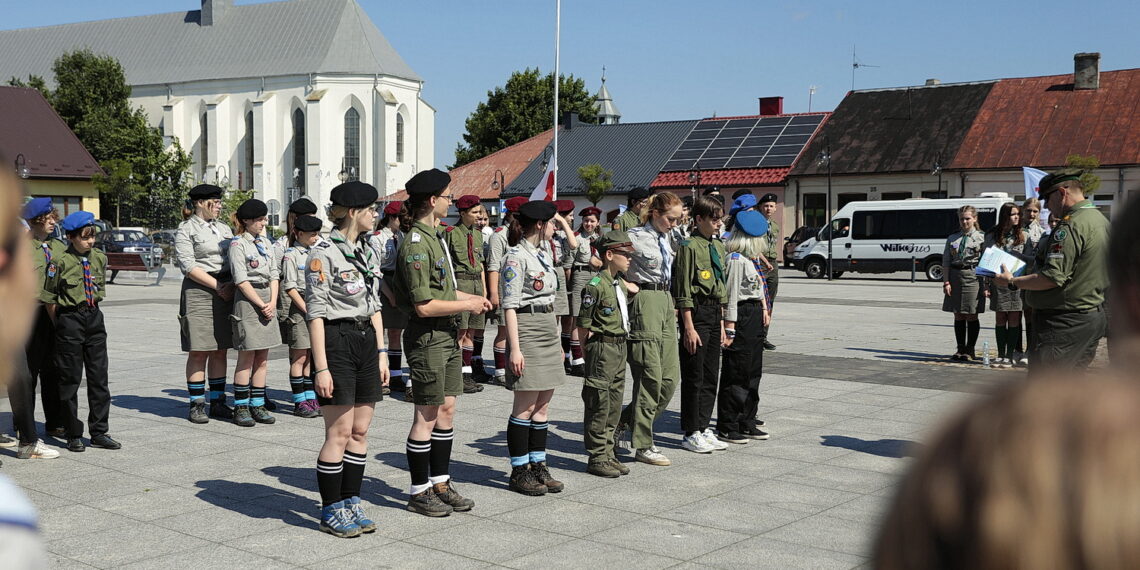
column 934, row 271
column 814, row 268
column 836, row 274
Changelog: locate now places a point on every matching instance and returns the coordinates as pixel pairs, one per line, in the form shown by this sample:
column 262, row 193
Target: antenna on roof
column 856, row 64
column 811, row 92
column 603, row 74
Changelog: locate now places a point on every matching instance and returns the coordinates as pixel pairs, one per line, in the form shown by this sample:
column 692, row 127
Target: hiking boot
column 270, row 405
column 578, row 370
column 469, row 385
column 450, row 496
column 542, row 473
column 219, row 409
column 336, row 519
column 619, row 466
column 198, row 413
column 242, row 417
column 315, row 406
column 37, row 450
column 428, row 503
column 261, row 415
column 523, row 481
column 653, row 457
column 498, row 379
column 385, row 390
column 352, row 504
column 602, row 468
column 305, row 409
column 479, row 372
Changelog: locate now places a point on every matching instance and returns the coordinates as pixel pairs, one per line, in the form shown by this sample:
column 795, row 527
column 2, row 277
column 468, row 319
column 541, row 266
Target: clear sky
column 675, row 59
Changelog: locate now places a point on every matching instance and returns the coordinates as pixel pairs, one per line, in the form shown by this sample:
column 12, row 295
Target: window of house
column 896, row 195
column 299, row 149
column 933, row 194
column 352, row 144
column 815, row 210
column 399, row 138
column 846, row 198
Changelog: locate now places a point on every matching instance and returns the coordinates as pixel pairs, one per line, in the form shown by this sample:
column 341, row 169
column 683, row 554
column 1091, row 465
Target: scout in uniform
column 1034, row 231
column 387, row 241
column 202, row 246
column 635, row 203
column 962, row 288
column 584, row 265
column 306, row 230
column 465, row 244
column 604, row 323
column 1067, row 292
column 767, row 206
column 562, row 245
column 746, row 313
column 350, row 355
column 73, row 294
column 653, row 357
column 698, row 291
column 496, row 248
column 300, row 207
column 424, row 286
column 1007, row 236
column 528, row 291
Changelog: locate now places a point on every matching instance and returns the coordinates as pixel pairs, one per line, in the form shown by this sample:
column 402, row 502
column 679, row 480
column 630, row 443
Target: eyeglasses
column 447, row 196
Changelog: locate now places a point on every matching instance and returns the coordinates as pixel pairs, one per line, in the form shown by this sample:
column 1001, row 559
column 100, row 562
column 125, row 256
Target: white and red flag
column 545, row 188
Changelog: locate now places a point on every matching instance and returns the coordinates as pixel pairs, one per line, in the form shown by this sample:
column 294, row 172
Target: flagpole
column 557, row 33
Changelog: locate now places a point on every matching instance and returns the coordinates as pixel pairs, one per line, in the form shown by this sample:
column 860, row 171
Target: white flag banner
column 1032, row 179
column 545, row 188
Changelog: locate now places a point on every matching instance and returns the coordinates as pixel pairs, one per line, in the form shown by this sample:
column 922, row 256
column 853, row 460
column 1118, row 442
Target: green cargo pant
column 434, row 360
column 654, row 362
column 601, row 393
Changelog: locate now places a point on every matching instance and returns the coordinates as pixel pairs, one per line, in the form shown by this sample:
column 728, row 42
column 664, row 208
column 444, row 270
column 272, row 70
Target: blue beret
column 744, row 202
column 77, row 221
column 37, row 207
column 752, row 223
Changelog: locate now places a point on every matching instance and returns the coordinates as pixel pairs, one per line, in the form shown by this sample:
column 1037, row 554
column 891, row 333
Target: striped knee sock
column 310, row 390
column 468, row 352
column 197, row 391
column 537, row 442
column 394, row 357
column 576, row 352
column 440, row 456
column 518, row 441
column 257, row 396
column 218, row 389
column 241, row 395
column 353, row 474
column 330, row 477
column 297, row 385
column 566, row 344
column 419, row 463
column 500, row 360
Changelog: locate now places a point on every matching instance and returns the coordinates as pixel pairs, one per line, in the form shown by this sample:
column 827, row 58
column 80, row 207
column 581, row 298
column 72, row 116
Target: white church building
column 287, row 98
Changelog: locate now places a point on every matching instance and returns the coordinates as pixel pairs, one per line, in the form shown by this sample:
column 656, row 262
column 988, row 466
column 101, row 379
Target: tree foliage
column 596, row 181
column 35, row 82
column 1086, row 165
column 519, row 110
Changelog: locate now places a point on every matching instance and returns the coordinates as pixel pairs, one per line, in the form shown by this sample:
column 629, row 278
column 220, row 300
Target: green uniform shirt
column 627, row 220
column 465, row 259
column 45, row 259
column 1074, row 257
column 696, row 273
column 773, row 242
column 66, row 288
column 601, row 308
column 423, row 271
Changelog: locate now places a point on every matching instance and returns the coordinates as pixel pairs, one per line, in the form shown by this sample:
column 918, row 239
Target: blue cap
column 752, row 222
column 37, row 207
column 742, row 203
column 78, row 220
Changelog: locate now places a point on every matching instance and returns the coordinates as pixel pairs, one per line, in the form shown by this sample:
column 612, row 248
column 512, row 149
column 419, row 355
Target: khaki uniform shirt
column 387, row 242
column 497, row 247
column 528, row 277
column 292, row 277
column 1074, row 257
column 963, row 253
column 466, row 247
column 696, row 273
column 743, row 283
column 652, row 260
column 253, row 259
column 585, row 251
column 203, row 244
column 342, row 279
column 66, row 287
column 604, row 309
column 423, row 271
column 773, row 236
column 626, row 221
column 45, row 261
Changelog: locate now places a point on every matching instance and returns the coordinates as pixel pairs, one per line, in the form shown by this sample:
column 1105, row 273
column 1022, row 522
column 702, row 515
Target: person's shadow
column 372, row 490
column 562, row 453
column 291, row 508
column 461, row 471
column 161, row 407
column 894, row 448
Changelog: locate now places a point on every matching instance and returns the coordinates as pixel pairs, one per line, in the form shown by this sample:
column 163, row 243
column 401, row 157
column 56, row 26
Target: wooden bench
column 117, row 262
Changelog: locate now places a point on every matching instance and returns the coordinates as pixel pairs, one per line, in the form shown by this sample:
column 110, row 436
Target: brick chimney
column 214, row 10
column 1086, row 71
column 770, row 106
column 932, row 82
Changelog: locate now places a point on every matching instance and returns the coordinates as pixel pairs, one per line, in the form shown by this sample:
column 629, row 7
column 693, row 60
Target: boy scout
column 631, row 217
column 424, row 286
column 73, row 295
column 604, row 323
column 465, row 243
column 772, row 273
column 1067, row 292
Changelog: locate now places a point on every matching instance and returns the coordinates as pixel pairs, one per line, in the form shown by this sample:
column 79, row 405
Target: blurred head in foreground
column 17, row 283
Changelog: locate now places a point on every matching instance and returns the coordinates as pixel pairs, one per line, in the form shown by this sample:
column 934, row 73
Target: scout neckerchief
column 47, row 258
column 260, row 248
column 714, row 256
column 763, row 280
column 361, row 265
column 470, row 247
column 212, row 224
column 88, row 283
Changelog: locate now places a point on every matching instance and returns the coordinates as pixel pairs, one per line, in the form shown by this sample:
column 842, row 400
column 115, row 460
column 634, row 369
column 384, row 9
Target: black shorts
column 350, row 350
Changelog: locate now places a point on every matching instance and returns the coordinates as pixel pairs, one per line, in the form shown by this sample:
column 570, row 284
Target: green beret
column 1053, row 179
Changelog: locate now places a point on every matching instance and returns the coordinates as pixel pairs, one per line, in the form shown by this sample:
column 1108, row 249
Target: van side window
column 905, row 224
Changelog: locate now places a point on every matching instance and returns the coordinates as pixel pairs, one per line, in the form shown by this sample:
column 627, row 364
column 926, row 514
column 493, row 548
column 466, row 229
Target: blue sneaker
column 337, row 520
column 353, row 505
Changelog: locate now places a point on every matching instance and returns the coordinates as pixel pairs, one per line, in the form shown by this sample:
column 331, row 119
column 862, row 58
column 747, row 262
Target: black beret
column 639, row 193
column 428, row 182
column 711, row 190
column 769, row 197
column 307, row 223
column 540, row 210
column 252, row 209
column 205, row 192
column 741, row 192
column 355, row 194
column 687, row 201
column 302, row 206
column 467, row 202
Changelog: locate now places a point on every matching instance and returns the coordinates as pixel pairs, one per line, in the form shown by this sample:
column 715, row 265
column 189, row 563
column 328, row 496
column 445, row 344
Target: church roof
column 604, row 103
column 255, row 40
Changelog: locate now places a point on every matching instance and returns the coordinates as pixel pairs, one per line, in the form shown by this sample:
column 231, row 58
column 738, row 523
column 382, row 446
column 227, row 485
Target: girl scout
column 1008, row 236
column 306, row 230
column 496, row 248
column 387, row 240
column 529, row 289
column 256, row 274
column 562, row 245
column 345, row 326
column 202, row 246
column 962, row 289
column 584, row 267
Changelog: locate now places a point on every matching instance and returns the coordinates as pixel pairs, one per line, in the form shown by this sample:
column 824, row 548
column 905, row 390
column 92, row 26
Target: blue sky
column 674, row 59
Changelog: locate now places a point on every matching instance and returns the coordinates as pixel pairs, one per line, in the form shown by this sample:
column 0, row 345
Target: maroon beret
column 467, row 202
column 564, row 206
column 514, row 203
column 591, row 211
column 393, row 208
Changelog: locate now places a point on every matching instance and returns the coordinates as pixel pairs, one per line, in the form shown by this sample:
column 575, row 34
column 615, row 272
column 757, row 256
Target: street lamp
column 498, row 184
column 825, row 158
column 937, row 171
column 22, row 169
column 694, row 180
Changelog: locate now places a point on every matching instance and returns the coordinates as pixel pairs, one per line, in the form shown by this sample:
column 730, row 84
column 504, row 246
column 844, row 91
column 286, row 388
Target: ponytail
column 659, row 202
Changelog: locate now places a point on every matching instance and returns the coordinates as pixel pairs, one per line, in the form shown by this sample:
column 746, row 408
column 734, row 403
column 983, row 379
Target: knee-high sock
column 419, row 461
column 1013, row 337
column 218, row 389
column 440, row 457
column 329, row 477
column 197, row 391
column 972, row 330
column 576, row 355
column 477, row 352
column 297, row 386
column 960, row 334
column 353, row 474
column 565, row 344
column 500, row 360
column 537, row 443
column 394, row 357
column 518, row 441
column 241, row 395
column 1001, row 336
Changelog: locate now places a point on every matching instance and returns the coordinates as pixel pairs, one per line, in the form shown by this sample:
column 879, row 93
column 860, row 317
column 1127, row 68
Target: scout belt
column 607, row 338
column 1055, row 312
column 468, row 277
column 359, row 324
column 652, row 286
column 535, row 309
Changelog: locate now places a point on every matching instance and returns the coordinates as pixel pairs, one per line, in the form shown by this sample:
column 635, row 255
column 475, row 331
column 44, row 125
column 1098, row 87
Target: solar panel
column 762, row 142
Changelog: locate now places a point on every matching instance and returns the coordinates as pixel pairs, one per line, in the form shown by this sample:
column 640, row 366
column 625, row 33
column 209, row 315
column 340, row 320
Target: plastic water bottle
column 985, row 353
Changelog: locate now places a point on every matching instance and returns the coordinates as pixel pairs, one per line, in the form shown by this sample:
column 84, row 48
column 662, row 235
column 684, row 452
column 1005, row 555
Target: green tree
column 596, row 181
column 519, row 110
column 1086, row 165
column 118, row 183
column 232, row 198
column 35, row 82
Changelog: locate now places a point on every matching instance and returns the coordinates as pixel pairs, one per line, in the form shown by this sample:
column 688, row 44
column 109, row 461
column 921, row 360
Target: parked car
column 130, row 241
column 802, row 234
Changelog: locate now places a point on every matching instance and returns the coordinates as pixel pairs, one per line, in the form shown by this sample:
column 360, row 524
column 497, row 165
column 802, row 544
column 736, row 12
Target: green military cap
column 1052, row 179
column 616, row 240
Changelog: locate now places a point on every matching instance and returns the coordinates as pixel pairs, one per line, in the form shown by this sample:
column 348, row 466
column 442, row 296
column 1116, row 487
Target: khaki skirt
column 965, row 293
column 251, row 330
column 1004, row 300
column 561, row 300
column 203, row 318
column 295, row 330
column 542, row 354
column 578, row 280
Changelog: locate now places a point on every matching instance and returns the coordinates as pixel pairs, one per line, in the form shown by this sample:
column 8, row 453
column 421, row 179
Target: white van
column 891, row 235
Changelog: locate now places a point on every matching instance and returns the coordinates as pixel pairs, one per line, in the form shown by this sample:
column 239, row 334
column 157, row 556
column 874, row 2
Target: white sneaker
column 37, row 450
column 7, row 442
column 710, row 437
column 1023, row 361
column 696, row 443
column 652, row 456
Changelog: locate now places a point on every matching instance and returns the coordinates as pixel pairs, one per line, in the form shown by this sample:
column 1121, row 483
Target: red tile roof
column 729, row 177
column 1037, row 121
column 477, row 176
column 32, row 128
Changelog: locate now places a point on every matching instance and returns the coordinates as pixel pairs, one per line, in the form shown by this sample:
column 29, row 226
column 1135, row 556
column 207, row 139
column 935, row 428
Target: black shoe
column 578, row 370
column 755, row 432
column 243, row 417
column 450, row 496
column 566, row 365
column 542, row 473
column 270, row 405
column 59, row 432
column 76, row 444
column 198, row 412
column 261, row 415
column 428, row 504
column 103, row 440
column 479, row 372
column 768, row 345
column 396, row 384
column 219, row 409
column 732, row 437
column 469, row 385
column 523, row 481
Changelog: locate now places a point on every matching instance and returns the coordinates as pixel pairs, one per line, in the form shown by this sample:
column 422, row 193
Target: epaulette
column 499, row 229
column 595, row 281
column 449, row 228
